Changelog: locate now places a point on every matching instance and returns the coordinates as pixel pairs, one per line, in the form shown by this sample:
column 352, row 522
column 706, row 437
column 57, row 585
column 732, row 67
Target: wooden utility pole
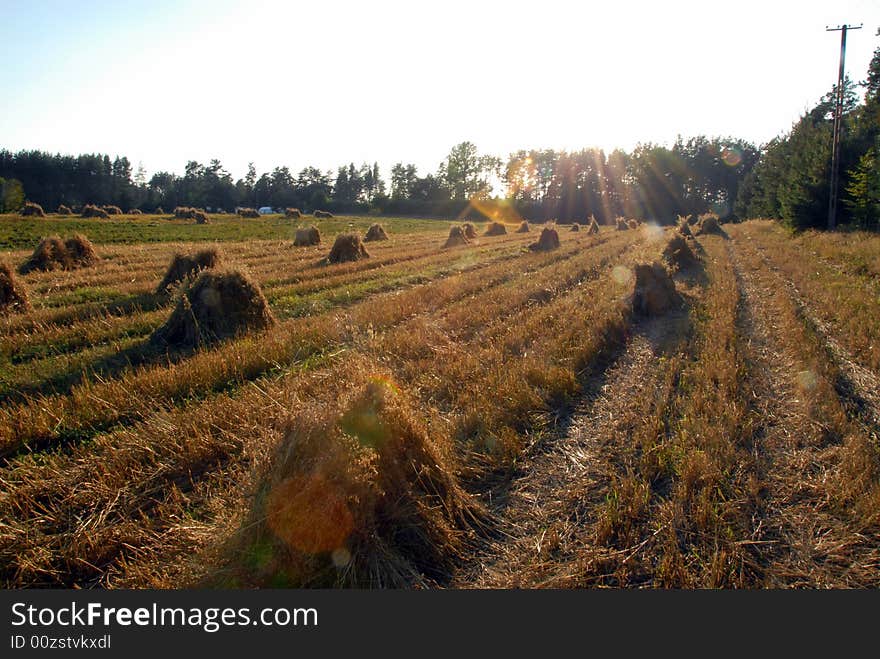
column 838, row 120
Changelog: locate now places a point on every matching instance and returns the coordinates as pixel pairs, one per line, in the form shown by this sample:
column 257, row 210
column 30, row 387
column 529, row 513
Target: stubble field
column 476, row 416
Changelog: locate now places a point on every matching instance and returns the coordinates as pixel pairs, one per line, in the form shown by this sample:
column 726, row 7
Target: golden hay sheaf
column 64, row 210
column 185, row 266
column 218, row 305
column 53, row 253
column 90, row 210
column 135, row 211
column 363, row 483
column 375, row 232
column 621, row 224
column 593, row 228
column 292, row 213
column 684, row 229
column 654, row 293
column 347, row 247
column 80, row 251
column 523, row 227
column 456, row 237
column 496, row 229
column 112, row 210
column 322, row 214
column 575, row 227
column 633, row 224
column 678, row 253
column 709, row 225
column 307, row 236
column 13, row 294
column 548, row 240
column 469, row 230
column 248, row 213
column 32, row 210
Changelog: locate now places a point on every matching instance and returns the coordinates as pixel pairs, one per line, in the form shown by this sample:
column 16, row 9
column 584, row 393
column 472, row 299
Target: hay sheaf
column 13, row 294
column 678, row 253
column 575, row 227
column 633, row 224
column 375, row 232
column 593, row 228
column 496, row 229
column 324, row 214
column 185, row 266
column 685, row 230
column 292, row 213
column 64, row 210
column 457, row 237
column 112, row 210
column 523, row 227
column 621, row 224
column 470, row 231
column 53, row 253
column 307, row 236
column 32, row 210
column 135, row 211
column 548, row 240
column 708, row 225
column 201, row 217
column 248, row 212
column 347, row 247
column 218, row 305
column 654, row 293
column 361, row 484
column 90, row 210
column 80, row 251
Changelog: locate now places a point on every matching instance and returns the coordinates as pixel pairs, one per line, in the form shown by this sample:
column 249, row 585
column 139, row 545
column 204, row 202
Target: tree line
column 651, row 182
column 791, row 180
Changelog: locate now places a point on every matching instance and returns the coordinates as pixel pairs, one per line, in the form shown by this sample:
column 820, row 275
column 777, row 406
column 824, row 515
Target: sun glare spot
column 653, row 232
column 309, row 513
column 621, row 274
column 341, row 557
column 731, row 156
column 807, row 380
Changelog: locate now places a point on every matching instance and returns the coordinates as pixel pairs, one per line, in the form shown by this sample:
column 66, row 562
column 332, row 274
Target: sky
column 328, row 82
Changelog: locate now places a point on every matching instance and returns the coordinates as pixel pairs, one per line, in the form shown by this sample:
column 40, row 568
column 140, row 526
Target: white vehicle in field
column 265, row 210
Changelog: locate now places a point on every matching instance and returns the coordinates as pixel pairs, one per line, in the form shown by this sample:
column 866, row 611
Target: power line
column 838, row 120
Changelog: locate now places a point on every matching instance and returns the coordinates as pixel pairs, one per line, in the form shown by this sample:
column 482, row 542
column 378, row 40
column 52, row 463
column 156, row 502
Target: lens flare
column 340, row 557
column 652, row 232
column 309, row 513
column 807, row 380
column 621, row 274
column 496, row 210
column 731, row 156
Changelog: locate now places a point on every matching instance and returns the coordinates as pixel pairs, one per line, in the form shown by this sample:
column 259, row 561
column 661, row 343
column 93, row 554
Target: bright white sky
column 332, row 81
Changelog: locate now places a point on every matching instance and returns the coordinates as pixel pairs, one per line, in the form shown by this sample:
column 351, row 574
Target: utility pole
column 838, row 120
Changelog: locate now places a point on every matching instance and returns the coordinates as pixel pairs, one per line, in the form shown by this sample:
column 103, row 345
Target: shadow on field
column 142, row 354
column 666, row 335
column 142, row 302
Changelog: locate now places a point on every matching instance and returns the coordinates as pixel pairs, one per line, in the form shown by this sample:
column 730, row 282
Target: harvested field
column 484, row 416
